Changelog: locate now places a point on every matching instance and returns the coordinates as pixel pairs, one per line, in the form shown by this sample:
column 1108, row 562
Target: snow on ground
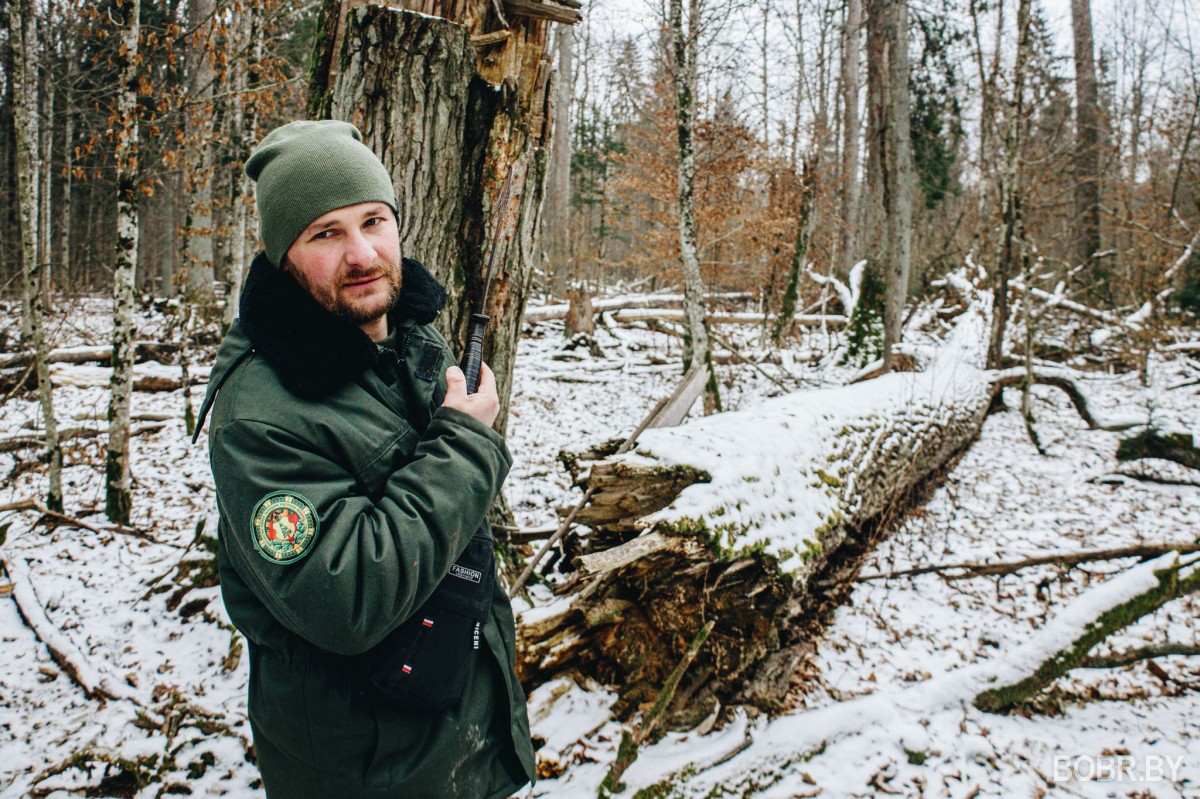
column 1002, row 501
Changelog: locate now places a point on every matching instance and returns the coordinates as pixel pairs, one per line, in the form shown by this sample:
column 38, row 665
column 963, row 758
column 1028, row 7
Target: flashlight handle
column 473, row 355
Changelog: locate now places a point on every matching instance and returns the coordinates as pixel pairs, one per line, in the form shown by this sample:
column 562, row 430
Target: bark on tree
column 198, row 172
column 23, row 36
column 244, row 123
column 118, row 498
column 448, row 118
column 685, row 46
column 1086, row 230
column 851, row 49
column 898, row 177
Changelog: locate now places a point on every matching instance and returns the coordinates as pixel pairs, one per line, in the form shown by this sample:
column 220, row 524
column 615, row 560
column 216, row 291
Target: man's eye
column 373, row 221
column 324, row 234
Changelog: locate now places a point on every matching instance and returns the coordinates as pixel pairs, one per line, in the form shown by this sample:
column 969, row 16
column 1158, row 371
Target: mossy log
column 1176, row 580
column 730, row 517
column 1177, row 447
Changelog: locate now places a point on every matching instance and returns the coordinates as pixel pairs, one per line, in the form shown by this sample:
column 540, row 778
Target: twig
column 976, row 569
column 587, row 496
column 34, row 505
column 758, row 368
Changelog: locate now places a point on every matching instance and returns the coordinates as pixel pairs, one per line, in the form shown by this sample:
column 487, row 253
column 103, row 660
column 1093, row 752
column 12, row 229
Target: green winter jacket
column 346, row 492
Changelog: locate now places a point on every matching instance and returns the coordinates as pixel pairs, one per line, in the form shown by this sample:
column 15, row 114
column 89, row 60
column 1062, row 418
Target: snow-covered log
column 719, row 317
column 730, row 516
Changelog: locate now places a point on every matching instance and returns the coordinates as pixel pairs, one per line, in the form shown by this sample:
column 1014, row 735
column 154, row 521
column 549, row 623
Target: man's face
column 349, row 261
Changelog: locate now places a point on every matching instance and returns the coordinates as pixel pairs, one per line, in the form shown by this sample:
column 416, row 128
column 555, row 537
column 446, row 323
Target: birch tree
column 117, row 496
column 198, row 174
column 24, row 43
column 851, row 52
column 557, row 220
column 685, row 47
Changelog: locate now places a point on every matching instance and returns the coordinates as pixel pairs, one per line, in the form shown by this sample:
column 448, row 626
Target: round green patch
column 285, row 526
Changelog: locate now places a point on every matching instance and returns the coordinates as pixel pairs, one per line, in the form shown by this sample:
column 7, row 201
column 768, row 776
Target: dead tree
column 732, row 517
column 483, row 104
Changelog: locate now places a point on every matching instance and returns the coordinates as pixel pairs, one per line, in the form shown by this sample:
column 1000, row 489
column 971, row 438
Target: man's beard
column 333, row 297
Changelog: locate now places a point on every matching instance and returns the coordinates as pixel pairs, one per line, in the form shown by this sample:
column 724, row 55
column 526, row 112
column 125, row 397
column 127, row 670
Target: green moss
column 829, row 479
column 917, row 758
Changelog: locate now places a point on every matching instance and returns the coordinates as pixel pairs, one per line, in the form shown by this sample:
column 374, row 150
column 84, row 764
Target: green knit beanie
column 305, row 169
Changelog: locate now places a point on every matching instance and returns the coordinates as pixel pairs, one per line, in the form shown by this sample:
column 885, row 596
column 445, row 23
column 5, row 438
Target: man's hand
column 484, row 404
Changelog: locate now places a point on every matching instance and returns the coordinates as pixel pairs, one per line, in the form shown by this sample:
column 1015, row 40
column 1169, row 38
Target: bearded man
column 381, row 647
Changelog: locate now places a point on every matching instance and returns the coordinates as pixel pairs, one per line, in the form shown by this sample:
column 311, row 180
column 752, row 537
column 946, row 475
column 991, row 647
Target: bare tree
column 118, row 498
column 199, row 175
column 24, row 42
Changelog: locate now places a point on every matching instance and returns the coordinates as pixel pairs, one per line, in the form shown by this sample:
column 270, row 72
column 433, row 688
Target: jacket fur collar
column 311, row 350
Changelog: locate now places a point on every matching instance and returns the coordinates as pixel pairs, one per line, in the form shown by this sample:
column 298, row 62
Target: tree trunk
column 685, row 47
column 198, row 170
column 23, row 36
column 245, row 121
column 557, row 223
column 46, row 102
column 118, row 499
column 1086, row 230
column 1012, row 234
column 851, row 38
column 448, row 140
column 898, row 178
column 804, row 220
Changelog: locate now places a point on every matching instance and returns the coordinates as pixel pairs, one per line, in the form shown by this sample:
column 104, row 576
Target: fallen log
column 546, row 313
column 738, row 513
column 18, row 442
column 724, row 317
column 735, row 513
column 143, row 351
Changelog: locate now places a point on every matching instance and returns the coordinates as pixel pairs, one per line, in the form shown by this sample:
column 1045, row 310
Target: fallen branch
column 34, row 441
column 1171, row 581
column 105, row 527
column 1016, row 376
column 977, row 569
column 62, row 650
column 1128, row 656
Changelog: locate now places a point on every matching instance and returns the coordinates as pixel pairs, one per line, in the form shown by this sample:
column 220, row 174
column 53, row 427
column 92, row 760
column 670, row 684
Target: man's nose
column 359, row 251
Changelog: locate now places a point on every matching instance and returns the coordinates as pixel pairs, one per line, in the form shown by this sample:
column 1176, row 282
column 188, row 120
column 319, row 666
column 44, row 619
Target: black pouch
column 423, row 664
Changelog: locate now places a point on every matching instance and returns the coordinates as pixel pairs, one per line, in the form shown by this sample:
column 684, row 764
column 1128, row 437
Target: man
column 352, row 481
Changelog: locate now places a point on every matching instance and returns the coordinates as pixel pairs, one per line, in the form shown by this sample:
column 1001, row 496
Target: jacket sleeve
column 372, row 563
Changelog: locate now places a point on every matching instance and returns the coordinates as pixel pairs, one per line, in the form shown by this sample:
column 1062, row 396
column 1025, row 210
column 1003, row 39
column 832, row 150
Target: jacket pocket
column 424, row 663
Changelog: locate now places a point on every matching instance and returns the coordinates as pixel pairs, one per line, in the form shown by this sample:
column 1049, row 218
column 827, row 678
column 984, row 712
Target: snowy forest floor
column 178, row 659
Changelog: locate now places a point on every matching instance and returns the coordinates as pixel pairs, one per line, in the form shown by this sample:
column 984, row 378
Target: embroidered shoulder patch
column 285, row 526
